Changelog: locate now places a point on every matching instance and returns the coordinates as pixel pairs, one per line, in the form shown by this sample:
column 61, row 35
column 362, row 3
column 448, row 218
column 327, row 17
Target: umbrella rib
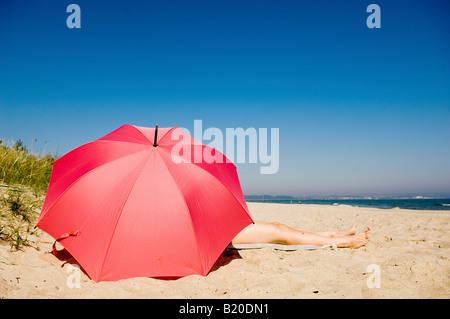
column 141, row 133
column 85, row 174
column 227, row 189
column 232, row 194
column 128, row 125
column 103, row 141
column 166, row 133
column 143, row 163
column 106, row 141
column 220, row 184
column 187, row 209
column 245, row 209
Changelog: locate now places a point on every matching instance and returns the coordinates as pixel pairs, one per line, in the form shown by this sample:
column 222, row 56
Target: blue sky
column 360, row 111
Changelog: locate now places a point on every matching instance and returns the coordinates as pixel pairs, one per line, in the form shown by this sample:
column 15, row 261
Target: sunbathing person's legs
column 333, row 233
column 275, row 233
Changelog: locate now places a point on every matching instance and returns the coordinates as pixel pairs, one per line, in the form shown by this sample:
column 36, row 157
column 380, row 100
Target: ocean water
column 419, row 204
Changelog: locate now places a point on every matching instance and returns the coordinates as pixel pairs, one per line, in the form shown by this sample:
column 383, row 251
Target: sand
column 408, row 257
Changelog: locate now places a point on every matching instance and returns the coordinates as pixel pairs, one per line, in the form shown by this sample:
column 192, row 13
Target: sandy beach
column 411, row 250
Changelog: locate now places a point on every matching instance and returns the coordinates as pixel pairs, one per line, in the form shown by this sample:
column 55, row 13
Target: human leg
column 333, row 233
column 264, row 232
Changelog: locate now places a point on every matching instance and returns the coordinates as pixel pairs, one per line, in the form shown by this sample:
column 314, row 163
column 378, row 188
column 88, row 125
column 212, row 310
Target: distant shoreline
column 442, row 204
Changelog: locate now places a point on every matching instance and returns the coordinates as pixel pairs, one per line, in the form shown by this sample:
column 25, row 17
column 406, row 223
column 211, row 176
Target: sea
column 417, row 204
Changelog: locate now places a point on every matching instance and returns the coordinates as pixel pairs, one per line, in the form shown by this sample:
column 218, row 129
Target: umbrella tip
column 156, row 135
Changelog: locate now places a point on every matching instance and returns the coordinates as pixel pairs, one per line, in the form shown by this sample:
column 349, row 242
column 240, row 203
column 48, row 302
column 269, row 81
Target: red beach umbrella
column 130, row 204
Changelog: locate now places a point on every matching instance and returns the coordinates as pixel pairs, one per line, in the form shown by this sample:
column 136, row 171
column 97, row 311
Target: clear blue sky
column 360, row 111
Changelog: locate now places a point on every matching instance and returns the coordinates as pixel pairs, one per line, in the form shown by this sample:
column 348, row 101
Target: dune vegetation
column 24, row 179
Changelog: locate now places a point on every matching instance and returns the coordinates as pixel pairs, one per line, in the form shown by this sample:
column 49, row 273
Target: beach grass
column 19, row 167
column 24, row 179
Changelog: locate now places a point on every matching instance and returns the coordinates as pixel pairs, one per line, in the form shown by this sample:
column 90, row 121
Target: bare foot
column 355, row 241
column 360, row 239
column 342, row 232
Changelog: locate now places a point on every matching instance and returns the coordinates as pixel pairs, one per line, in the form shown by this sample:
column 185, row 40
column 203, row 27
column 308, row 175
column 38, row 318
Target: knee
column 281, row 227
column 283, row 233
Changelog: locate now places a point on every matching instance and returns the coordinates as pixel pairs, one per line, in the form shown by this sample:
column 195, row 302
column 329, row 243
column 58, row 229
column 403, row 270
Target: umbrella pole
column 156, row 135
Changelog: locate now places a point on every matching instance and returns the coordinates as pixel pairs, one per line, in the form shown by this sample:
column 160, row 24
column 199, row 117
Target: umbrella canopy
column 131, row 204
